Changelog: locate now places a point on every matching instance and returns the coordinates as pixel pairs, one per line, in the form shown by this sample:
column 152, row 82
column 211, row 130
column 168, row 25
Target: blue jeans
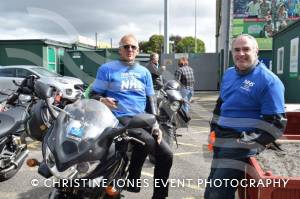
column 187, row 94
column 221, row 169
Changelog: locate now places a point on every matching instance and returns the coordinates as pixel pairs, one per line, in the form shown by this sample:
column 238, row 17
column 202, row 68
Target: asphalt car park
column 190, row 166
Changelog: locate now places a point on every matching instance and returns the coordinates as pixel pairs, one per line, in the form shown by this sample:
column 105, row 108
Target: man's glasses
column 127, row 47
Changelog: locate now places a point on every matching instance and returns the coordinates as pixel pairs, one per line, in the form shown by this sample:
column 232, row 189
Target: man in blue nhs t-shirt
column 125, row 87
column 249, row 115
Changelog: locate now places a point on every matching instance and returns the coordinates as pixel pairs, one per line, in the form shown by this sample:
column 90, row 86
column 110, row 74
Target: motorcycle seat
column 11, row 120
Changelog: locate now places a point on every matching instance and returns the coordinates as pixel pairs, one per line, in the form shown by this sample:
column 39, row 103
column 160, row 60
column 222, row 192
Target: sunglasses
column 127, row 47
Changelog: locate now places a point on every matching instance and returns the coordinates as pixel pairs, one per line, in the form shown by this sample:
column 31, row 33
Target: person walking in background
column 249, row 115
column 185, row 75
column 153, row 67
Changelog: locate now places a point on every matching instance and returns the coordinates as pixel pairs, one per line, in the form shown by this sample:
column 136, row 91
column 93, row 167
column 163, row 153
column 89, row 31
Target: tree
column 144, row 46
column 156, row 43
column 187, row 45
column 176, row 39
column 182, row 45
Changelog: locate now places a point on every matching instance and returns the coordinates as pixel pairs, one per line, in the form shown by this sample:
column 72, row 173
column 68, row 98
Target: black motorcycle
column 13, row 127
column 171, row 113
column 88, row 148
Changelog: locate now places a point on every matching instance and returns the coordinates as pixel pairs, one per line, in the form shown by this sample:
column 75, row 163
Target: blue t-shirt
column 247, row 97
column 128, row 84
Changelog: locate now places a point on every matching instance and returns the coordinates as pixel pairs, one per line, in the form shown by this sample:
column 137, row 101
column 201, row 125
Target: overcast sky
column 64, row 20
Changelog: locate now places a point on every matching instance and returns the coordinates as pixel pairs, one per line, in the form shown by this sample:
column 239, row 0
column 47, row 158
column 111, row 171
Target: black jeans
column 162, row 153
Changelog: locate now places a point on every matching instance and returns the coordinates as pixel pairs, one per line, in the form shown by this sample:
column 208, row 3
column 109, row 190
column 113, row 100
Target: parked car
column 69, row 86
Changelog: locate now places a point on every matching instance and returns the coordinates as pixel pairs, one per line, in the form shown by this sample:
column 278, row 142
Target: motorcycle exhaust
column 17, row 162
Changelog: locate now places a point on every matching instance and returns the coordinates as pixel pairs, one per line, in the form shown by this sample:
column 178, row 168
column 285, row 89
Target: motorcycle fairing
column 83, row 134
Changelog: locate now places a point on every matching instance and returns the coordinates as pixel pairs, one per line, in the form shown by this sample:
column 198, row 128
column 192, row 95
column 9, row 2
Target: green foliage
column 187, row 45
column 156, row 43
column 176, row 39
column 144, row 46
column 180, row 45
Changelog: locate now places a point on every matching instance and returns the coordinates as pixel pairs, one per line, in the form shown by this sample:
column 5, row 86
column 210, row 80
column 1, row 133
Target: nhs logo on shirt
column 247, row 85
column 130, row 84
column 129, row 81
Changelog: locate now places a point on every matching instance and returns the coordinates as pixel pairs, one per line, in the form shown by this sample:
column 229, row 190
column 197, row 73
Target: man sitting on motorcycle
column 126, row 87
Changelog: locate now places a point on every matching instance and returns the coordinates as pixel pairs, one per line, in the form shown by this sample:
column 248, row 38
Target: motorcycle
column 171, row 113
column 87, row 144
column 13, row 119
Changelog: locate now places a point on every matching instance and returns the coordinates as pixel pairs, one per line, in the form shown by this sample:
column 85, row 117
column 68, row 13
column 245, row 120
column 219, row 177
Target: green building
column 286, row 60
column 78, row 60
column 85, row 63
column 40, row 52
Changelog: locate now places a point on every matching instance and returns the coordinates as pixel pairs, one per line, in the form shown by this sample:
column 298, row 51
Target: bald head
column 129, row 48
column 251, row 39
column 128, row 37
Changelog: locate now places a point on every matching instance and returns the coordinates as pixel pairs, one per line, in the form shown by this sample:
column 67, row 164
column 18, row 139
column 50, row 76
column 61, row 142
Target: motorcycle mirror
column 43, row 91
column 141, row 121
column 15, row 83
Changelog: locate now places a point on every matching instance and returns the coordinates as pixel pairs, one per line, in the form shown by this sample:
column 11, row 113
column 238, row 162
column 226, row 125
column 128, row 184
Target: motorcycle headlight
column 79, row 170
column 85, row 168
column 175, row 106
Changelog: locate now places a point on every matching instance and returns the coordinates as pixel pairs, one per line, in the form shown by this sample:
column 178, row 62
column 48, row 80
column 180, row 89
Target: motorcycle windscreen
column 81, row 135
column 174, row 95
column 89, row 118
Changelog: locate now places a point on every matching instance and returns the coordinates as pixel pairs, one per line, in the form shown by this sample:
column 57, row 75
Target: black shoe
column 158, row 196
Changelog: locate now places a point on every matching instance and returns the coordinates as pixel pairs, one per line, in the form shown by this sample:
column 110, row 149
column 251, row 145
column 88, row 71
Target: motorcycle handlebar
column 128, row 138
column 51, row 108
column 138, row 141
